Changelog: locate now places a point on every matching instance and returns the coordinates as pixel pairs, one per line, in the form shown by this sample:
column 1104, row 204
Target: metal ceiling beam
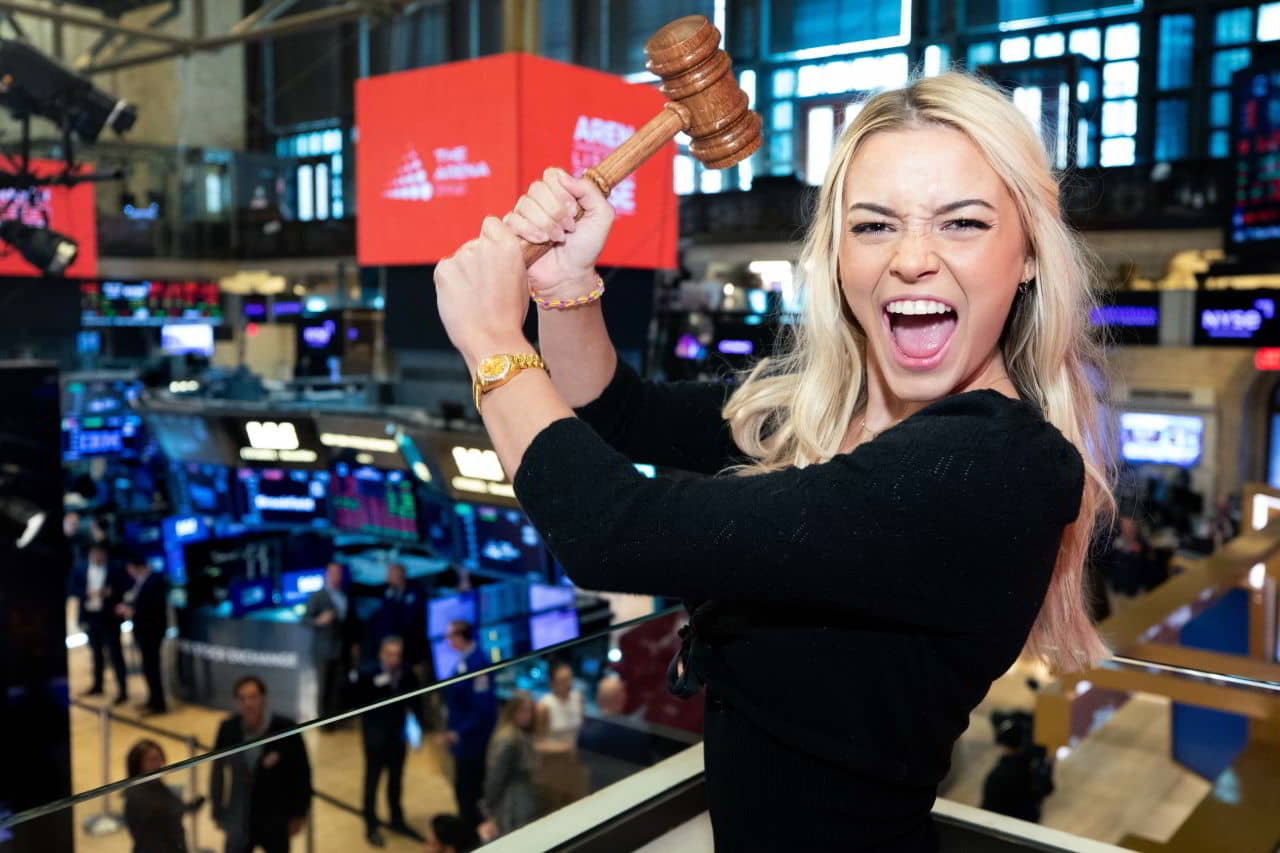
column 265, row 12
column 66, row 16
column 284, row 26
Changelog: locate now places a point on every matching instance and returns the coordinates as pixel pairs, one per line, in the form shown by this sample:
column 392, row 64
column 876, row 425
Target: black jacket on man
column 150, row 609
column 262, row 794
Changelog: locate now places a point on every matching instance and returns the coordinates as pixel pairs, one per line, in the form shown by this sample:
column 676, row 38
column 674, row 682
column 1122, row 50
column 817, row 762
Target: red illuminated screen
column 440, row 148
column 67, row 210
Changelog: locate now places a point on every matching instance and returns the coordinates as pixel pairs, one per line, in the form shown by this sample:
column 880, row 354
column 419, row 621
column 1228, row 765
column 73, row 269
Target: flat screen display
column 1255, row 121
column 187, row 437
column 375, row 502
column 554, row 626
column 444, row 657
column 247, row 596
column 1161, row 438
column 187, row 339
column 149, row 303
column 502, row 539
column 284, row 496
column 296, row 586
column 177, row 531
column 204, row 489
column 544, row 596
column 98, row 419
column 450, row 608
column 501, row 601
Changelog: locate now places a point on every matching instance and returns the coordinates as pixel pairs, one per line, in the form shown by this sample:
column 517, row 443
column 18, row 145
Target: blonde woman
column 510, row 798
column 922, row 466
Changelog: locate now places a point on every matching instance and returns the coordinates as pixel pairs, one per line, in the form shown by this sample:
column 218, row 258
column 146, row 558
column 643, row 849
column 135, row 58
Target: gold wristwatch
column 497, row 370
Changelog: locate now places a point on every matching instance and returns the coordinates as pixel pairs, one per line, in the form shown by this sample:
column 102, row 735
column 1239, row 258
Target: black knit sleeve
column 669, row 424
column 941, row 521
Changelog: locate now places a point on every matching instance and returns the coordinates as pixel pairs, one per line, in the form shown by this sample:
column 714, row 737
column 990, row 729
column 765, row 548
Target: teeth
column 916, row 306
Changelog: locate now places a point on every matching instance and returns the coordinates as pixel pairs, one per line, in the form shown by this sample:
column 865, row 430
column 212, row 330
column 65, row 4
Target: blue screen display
column 448, row 608
column 246, row 596
column 295, row 587
column 554, row 626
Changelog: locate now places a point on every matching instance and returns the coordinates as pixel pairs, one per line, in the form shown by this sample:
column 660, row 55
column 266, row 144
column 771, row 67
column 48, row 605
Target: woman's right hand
column 546, row 214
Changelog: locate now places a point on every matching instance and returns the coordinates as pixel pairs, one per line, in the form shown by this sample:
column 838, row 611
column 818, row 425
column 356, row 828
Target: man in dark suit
column 100, row 587
column 332, row 622
column 403, row 614
column 260, row 796
column 383, row 733
column 147, row 604
column 473, row 713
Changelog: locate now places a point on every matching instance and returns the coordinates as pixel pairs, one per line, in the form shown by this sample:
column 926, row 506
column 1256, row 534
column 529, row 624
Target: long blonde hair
column 794, row 409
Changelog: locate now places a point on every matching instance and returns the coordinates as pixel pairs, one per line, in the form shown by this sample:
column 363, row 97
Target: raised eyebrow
column 874, row 208
column 964, row 202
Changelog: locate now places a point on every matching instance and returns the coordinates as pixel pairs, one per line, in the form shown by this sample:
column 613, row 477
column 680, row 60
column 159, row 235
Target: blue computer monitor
column 247, row 596
column 554, row 626
column 543, row 596
column 449, row 608
column 444, row 657
column 1162, row 438
column 296, row 587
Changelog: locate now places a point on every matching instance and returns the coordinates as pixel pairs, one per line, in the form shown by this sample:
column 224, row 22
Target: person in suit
column 383, row 734
column 448, row 833
column 100, row 588
column 473, row 713
column 146, row 603
column 260, row 796
column 331, row 617
column 152, row 811
column 403, row 614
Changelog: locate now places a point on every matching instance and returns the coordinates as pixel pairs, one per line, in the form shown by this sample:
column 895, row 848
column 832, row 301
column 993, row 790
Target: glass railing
column 1173, row 741
column 617, row 718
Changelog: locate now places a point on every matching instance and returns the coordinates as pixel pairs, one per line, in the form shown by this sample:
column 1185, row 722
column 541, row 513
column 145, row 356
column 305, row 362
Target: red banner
column 67, row 210
column 440, row 148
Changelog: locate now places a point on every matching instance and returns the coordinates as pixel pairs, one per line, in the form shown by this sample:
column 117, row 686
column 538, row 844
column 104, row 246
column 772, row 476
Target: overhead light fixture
column 43, row 248
column 34, row 84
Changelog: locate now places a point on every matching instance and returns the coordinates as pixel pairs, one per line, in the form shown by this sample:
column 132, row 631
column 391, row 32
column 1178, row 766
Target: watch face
column 495, row 368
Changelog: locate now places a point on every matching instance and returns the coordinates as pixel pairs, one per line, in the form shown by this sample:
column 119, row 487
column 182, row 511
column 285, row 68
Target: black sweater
column 859, row 608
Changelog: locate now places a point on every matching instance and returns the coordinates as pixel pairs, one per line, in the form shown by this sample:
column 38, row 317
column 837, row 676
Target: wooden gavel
column 706, row 102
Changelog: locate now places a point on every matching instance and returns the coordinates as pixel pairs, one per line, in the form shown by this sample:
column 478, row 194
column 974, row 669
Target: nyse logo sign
column 268, row 435
column 593, row 140
column 1237, row 322
column 271, row 441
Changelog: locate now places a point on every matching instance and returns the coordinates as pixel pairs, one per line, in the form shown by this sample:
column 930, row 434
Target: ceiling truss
column 122, row 45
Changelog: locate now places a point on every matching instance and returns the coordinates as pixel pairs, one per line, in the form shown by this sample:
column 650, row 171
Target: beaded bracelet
column 566, row 304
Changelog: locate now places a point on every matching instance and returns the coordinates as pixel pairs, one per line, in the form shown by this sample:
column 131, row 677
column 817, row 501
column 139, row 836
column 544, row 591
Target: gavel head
column 698, row 76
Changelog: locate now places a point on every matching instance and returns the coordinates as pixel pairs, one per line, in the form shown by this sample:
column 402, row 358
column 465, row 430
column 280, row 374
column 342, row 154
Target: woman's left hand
column 482, row 295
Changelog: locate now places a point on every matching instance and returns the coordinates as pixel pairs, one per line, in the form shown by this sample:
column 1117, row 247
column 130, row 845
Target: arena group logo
column 453, row 170
column 593, row 140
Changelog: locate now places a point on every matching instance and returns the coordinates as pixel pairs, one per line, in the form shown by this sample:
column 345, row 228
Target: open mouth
column 920, row 330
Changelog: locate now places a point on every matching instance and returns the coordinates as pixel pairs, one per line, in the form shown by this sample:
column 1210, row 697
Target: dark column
column 34, row 562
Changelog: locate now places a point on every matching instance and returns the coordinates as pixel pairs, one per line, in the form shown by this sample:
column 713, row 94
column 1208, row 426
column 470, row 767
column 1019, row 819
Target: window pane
column 1029, row 100
column 983, row 53
column 821, row 137
column 1234, row 26
column 1269, row 22
column 1219, row 142
column 1177, row 43
column 1120, row 79
column 1116, row 152
column 1122, row 41
column 894, row 70
column 711, row 180
column 322, row 191
column 780, row 148
column 784, row 83
column 936, row 57
column 1225, row 62
column 1171, row 129
column 1220, row 109
column 782, row 116
column 1084, row 154
column 1015, row 49
column 632, row 24
column 683, row 174
column 1087, row 42
column 805, row 24
column 1120, row 118
column 1050, row 44
column 747, row 80
column 305, row 187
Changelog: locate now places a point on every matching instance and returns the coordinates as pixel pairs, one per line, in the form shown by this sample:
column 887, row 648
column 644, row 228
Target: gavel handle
column 625, row 159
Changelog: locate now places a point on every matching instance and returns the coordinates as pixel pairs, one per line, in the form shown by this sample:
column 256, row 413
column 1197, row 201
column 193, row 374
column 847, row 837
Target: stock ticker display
column 373, row 501
column 1255, row 126
column 149, row 303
